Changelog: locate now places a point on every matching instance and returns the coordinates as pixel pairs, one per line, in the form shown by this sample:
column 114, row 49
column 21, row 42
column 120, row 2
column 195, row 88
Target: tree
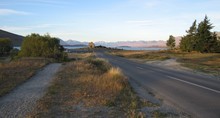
column 206, row 40
column 91, row 45
column 171, row 42
column 188, row 42
column 35, row 45
column 200, row 39
column 5, row 46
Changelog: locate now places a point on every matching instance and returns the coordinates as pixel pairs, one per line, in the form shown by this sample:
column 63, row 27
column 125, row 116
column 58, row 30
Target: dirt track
column 22, row 99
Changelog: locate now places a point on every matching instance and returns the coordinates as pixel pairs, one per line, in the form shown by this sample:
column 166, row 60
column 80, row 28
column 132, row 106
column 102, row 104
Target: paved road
column 194, row 94
column 22, row 99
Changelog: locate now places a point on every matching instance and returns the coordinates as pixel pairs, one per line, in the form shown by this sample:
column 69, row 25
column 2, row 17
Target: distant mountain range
column 16, row 39
column 119, row 43
column 133, row 43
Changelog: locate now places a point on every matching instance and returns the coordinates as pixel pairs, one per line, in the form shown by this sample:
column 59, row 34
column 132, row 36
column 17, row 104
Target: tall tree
column 206, row 40
column 193, row 29
column 171, row 42
column 188, row 42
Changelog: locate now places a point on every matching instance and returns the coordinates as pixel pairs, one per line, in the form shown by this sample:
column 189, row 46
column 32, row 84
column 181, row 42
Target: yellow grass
column 90, row 83
column 15, row 72
column 205, row 62
column 146, row 55
column 80, row 56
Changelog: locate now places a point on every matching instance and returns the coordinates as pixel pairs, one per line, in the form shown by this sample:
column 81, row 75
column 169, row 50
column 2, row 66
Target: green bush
column 35, row 45
column 5, row 46
column 14, row 53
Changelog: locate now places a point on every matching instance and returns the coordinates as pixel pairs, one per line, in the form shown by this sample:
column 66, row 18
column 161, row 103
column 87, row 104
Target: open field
column 15, row 72
column 89, row 87
column 204, row 62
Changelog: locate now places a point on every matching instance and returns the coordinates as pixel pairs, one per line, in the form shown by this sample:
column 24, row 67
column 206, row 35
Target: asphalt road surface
column 194, row 94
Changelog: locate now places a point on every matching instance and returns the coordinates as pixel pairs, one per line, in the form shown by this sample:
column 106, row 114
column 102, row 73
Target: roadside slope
column 23, row 98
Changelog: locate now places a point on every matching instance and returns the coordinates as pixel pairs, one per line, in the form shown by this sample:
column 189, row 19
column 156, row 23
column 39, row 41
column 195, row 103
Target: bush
column 35, row 45
column 14, row 53
column 5, row 46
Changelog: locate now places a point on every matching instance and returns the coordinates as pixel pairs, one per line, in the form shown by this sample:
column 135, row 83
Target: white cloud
column 25, row 28
column 12, row 12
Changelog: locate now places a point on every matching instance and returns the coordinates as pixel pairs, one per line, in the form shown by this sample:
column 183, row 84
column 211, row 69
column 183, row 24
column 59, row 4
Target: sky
column 106, row 20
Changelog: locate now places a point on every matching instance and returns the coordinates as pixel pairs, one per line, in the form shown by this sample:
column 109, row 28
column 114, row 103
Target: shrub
column 35, row 45
column 5, row 46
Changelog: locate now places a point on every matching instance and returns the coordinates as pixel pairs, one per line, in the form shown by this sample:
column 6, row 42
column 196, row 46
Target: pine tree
column 206, row 40
column 171, row 42
column 187, row 42
column 193, row 29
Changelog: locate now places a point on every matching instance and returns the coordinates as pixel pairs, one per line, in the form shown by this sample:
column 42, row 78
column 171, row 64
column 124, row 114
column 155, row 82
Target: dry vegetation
column 146, row 55
column 205, row 62
column 15, row 72
column 209, row 63
column 89, row 87
column 79, row 56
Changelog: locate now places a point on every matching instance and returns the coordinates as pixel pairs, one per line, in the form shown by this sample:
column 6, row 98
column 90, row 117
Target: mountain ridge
column 15, row 38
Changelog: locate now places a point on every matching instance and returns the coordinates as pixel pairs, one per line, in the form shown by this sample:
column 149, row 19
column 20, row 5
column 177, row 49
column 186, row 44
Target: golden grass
column 146, row 55
column 80, row 55
column 15, row 72
column 88, row 83
column 209, row 63
column 205, row 62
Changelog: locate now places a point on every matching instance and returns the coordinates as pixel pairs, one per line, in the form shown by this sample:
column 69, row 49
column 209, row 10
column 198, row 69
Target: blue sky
column 106, row 20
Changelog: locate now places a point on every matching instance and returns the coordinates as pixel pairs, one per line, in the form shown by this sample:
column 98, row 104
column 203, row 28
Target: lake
column 124, row 48
column 17, row 47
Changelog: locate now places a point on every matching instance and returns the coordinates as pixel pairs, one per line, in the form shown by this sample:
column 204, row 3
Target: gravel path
column 22, row 100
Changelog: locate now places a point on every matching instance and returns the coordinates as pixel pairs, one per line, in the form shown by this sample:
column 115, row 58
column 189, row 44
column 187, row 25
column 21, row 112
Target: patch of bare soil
column 167, row 63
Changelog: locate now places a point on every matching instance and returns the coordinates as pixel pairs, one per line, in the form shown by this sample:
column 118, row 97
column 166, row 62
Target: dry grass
column 209, row 63
column 146, row 55
column 205, row 62
column 15, row 72
column 78, row 56
column 86, row 85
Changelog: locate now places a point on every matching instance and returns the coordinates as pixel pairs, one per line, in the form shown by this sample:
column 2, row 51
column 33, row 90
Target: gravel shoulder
column 22, row 99
column 174, row 65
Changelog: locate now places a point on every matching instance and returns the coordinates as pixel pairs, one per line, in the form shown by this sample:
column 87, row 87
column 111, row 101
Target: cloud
column 25, row 28
column 12, row 12
column 32, row 27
